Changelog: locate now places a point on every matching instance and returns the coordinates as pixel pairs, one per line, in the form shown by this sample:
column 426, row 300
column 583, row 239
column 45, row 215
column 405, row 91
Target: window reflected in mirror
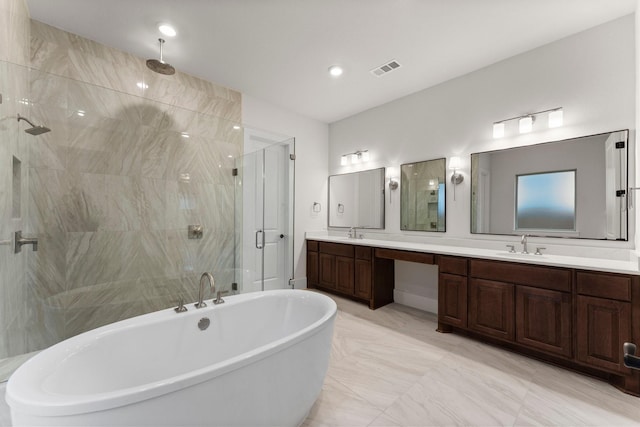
column 546, row 201
column 422, row 196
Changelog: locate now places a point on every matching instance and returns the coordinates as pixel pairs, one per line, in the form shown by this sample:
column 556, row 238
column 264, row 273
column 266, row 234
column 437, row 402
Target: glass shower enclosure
column 264, row 207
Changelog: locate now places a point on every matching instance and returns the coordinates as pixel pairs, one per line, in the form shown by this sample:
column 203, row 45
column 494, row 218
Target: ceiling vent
column 385, row 68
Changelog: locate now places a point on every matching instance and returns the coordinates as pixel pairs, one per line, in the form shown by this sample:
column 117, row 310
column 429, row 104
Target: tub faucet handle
column 219, row 299
column 512, row 249
column 538, row 251
column 180, row 308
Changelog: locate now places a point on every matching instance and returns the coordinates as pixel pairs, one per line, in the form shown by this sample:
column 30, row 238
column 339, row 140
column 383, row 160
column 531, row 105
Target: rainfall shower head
column 34, row 130
column 159, row 66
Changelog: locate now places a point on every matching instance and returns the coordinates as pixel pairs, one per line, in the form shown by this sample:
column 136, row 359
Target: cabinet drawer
column 405, row 255
column 336, row 249
column 452, row 265
column 557, row 279
column 612, row 286
column 363, row 252
column 312, row 245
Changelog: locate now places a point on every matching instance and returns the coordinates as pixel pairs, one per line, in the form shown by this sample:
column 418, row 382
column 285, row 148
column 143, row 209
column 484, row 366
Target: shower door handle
column 260, row 242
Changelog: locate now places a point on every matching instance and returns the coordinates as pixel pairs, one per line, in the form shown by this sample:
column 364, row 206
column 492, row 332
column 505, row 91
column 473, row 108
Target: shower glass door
column 264, row 213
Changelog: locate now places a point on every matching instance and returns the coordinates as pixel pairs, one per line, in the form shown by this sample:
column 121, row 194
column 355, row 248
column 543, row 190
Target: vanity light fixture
column 456, row 178
column 354, row 158
column 525, row 122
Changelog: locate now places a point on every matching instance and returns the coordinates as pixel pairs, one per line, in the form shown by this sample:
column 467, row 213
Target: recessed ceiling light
column 184, row 134
column 236, row 127
column 335, row 70
column 167, row 30
column 80, row 113
column 142, row 85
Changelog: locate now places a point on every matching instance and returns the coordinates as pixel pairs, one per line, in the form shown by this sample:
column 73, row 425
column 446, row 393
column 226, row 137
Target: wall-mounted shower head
column 159, row 66
column 34, row 130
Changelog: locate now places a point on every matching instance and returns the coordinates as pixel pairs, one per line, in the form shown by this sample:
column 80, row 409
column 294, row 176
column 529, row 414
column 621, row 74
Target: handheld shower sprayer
column 34, row 130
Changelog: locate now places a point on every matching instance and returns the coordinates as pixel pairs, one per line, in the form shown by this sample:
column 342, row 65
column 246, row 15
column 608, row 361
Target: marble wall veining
column 133, row 158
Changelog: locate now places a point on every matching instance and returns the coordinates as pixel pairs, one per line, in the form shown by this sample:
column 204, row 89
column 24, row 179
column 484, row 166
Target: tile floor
column 390, row 368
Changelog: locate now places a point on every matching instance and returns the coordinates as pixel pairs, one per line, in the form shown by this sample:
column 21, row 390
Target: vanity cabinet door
column 452, row 299
column 491, row 308
column 312, row 267
column 543, row 320
column 327, row 270
column 363, row 278
column 603, row 326
column 344, row 274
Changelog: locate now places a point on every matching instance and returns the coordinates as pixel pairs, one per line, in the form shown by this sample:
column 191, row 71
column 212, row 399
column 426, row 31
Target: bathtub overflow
column 204, row 323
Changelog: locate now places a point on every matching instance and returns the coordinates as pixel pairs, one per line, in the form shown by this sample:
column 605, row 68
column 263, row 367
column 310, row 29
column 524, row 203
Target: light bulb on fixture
column 498, row 130
column 526, row 124
column 335, row 71
column 344, row 160
column 556, row 118
column 355, row 159
column 167, row 30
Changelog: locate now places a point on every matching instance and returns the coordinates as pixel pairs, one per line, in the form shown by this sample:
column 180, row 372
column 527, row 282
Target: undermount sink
column 521, row 255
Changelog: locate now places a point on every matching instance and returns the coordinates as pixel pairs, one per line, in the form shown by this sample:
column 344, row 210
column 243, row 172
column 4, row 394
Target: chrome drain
column 204, row 323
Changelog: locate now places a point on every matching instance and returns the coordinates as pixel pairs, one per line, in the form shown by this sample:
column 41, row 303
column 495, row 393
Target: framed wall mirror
column 357, row 199
column 422, row 196
column 574, row 188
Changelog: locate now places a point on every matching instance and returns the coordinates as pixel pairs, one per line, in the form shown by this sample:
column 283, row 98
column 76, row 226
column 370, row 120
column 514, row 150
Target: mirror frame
column 444, row 181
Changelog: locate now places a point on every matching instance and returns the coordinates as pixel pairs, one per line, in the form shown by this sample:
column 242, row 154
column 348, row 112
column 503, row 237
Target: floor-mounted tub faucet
column 212, row 286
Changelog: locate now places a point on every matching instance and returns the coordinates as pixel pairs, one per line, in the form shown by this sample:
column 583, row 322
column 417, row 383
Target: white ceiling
column 279, row 50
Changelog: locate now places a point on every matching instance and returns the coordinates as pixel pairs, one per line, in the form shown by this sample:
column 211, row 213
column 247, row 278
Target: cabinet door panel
column 363, row 278
column 543, row 320
column 327, row 267
column 603, row 326
column 312, row 269
column 452, row 299
column 344, row 274
column 491, row 308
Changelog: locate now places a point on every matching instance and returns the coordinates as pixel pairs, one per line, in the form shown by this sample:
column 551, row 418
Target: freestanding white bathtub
column 261, row 362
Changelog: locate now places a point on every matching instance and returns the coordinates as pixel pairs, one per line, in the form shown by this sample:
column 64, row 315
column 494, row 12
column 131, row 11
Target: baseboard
column 299, row 283
column 429, row 305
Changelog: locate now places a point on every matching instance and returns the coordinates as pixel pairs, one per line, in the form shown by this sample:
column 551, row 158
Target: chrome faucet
column 524, row 243
column 212, row 286
column 352, row 233
column 19, row 241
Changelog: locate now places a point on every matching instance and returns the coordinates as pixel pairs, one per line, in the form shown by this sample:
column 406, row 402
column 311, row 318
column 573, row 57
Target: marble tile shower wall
column 14, row 88
column 115, row 184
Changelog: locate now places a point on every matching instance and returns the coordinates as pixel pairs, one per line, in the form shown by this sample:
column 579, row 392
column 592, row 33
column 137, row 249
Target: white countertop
column 598, row 264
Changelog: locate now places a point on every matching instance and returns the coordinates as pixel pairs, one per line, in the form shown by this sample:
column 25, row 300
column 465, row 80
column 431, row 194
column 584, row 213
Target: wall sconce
column 525, row 123
column 454, row 165
column 456, row 178
column 354, row 158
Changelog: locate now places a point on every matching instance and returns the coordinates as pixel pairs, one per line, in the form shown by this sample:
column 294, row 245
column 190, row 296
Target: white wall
column 590, row 74
column 311, row 168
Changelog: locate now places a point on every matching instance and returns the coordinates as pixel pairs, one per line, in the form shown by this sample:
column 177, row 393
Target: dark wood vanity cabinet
column 530, row 305
column 575, row 318
column 603, row 319
column 348, row 270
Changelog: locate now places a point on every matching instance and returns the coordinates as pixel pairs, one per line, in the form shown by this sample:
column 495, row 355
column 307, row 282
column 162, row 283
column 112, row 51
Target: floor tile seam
column 373, row 404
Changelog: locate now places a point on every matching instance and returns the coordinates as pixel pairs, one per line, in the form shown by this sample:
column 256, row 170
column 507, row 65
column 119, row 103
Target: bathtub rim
column 37, row 402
